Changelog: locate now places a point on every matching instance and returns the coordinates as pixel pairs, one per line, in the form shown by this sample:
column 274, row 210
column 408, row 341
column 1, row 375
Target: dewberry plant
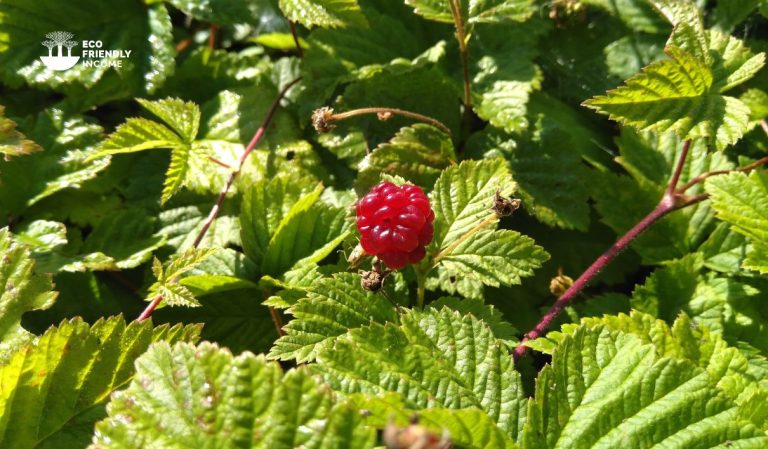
column 517, row 224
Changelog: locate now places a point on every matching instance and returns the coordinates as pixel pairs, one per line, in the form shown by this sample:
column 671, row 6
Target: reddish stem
column 669, row 202
column 296, row 41
column 679, row 168
column 665, row 206
column 223, row 194
column 212, row 36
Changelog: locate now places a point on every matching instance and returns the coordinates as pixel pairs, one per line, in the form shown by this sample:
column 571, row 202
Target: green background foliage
column 263, row 336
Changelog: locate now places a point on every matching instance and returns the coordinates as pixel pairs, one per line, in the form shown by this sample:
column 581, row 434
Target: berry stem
column 421, row 287
column 672, row 200
column 702, row 177
column 155, row 301
column 327, row 116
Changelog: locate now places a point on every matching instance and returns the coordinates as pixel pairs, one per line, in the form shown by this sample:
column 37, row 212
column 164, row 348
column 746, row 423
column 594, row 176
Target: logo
column 93, row 55
column 58, row 40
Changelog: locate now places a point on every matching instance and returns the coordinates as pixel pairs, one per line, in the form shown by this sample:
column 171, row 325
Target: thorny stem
column 296, row 41
column 328, row 116
column 669, row 202
column 225, row 190
column 461, row 36
column 674, row 198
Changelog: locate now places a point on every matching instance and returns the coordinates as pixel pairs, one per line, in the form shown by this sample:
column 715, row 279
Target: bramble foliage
column 190, row 185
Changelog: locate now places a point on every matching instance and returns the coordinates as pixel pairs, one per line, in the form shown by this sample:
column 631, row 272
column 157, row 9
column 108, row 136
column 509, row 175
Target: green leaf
column 177, row 132
column 463, row 197
column 726, row 306
column 424, row 360
column 741, row 200
column 227, row 402
column 181, row 116
column 684, row 340
column 490, row 315
column 494, row 258
column 224, row 12
column 332, row 307
column 12, row 142
column 69, row 143
column 668, row 288
column 552, row 180
column 757, row 259
column 43, row 236
column 266, row 204
column 724, row 250
column 474, row 11
column 610, row 388
column 143, row 29
column 334, row 56
column 305, row 235
column 637, row 15
column 418, row 153
column 22, row 290
column 54, row 390
column 324, row 13
column 757, row 101
column 503, row 73
column 676, row 94
column 688, row 33
column 168, row 274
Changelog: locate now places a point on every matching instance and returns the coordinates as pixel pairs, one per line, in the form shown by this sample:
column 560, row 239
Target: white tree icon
column 50, row 45
column 69, row 45
column 60, row 38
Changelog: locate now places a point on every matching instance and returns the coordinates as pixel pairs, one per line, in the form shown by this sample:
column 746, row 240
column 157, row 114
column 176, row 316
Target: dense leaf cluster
column 540, row 130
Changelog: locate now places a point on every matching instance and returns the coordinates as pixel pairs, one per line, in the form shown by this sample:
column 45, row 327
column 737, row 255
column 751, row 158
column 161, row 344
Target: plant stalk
column 327, row 116
column 225, row 190
column 461, row 36
column 672, row 200
column 296, row 41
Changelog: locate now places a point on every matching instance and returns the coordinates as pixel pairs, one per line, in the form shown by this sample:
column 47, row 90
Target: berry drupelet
column 395, row 223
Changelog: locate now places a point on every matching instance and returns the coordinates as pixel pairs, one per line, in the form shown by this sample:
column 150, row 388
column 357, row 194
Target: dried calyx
column 503, row 206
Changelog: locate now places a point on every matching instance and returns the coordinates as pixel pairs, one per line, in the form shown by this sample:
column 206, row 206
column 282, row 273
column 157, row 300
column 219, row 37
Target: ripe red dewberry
column 395, row 223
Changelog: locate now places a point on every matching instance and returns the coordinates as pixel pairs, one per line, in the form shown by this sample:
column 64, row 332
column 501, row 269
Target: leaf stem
column 764, row 125
column 702, row 177
column 461, row 36
column 323, row 117
column 225, row 190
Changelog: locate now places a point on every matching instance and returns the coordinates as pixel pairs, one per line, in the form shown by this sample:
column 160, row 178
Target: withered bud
column 372, row 280
column 414, row 436
column 560, row 283
column 504, row 206
column 384, row 116
column 322, row 118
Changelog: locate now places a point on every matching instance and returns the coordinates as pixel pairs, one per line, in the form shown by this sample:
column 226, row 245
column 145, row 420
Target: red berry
column 395, row 223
